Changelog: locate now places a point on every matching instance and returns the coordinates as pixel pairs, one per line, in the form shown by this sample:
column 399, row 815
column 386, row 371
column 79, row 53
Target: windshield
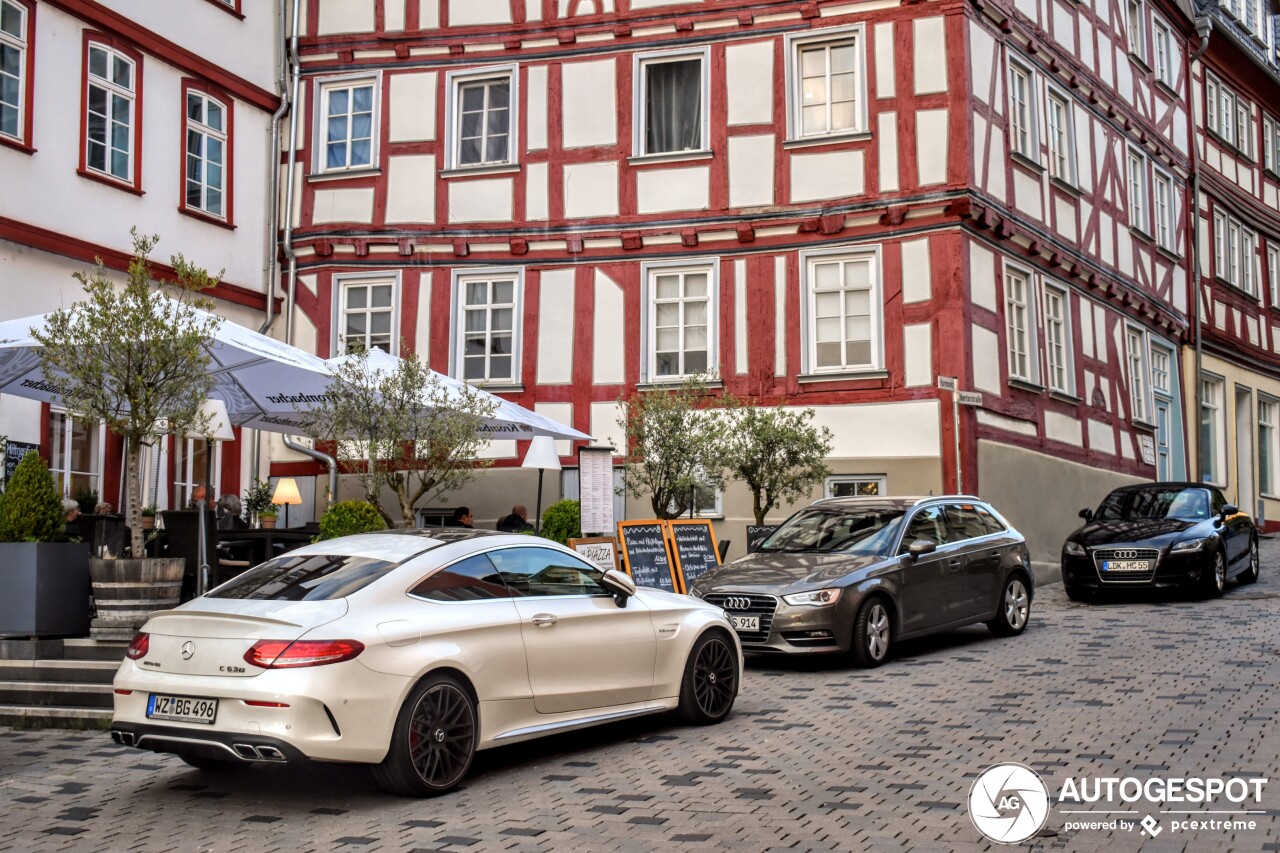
column 864, row 530
column 1188, row 504
column 314, row 577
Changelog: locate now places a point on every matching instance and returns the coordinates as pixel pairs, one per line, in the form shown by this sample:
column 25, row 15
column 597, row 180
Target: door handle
column 954, row 564
column 544, row 620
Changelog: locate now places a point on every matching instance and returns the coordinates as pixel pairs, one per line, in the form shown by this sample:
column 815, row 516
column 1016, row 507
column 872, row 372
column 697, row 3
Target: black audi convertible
column 1160, row 535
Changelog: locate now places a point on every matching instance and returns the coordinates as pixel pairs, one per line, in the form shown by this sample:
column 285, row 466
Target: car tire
column 711, row 677
column 1250, row 575
column 215, row 765
column 872, row 633
column 1214, row 581
column 434, row 740
column 1014, row 610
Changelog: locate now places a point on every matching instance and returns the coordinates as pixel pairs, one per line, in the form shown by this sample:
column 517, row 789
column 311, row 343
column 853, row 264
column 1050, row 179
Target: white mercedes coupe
column 410, row 651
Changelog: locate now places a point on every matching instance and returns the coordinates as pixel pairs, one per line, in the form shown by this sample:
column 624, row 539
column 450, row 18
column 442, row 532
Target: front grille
column 758, row 605
column 1151, row 555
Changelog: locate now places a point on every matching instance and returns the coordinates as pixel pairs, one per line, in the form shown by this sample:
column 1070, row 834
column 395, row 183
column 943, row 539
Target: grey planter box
column 45, row 589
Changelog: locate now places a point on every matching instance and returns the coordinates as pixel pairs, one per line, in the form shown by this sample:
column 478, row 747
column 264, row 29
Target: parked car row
column 412, row 650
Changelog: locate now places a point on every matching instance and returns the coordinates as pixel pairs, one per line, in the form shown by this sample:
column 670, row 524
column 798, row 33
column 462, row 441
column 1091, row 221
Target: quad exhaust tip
column 249, row 752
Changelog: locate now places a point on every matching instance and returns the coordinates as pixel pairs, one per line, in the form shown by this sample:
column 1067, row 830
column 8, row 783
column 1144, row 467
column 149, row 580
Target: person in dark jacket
column 462, row 517
column 517, row 522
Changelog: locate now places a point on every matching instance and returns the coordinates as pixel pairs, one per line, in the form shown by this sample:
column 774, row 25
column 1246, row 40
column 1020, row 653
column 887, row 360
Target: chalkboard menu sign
column 644, row 550
column 756, row 534
column 13, row 453
column 693, row 543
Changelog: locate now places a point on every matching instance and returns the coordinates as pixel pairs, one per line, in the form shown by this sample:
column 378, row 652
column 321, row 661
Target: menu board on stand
column 693, row 545
column 646, row 556
column 595, row 489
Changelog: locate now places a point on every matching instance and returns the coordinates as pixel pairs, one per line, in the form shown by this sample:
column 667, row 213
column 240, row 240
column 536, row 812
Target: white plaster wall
column 345, row 16
column 929, row 65
column 887, row 140
column 20, row 419
column 1064, row 428
column 982, row 54
column 555, row 327
column 780, row 316
column 590, row 189
column 422, row 334
column 1101, row 437
column 931, row 146
column 411, row 189
column 1065, row 218
column 355, row 205
column 476, row 12
column 829, row 175
column 588, row 104
column 535, row 191
column 412, row 113
column 751, row 160
column 749, row 81
column 1027, row 194
column 986, row 359
column 480, row 201
column 394, row 14
column 916, row 273
column 894, row 430
column 917, row 354
column 604, row 427
column 884, row 60
column 608, row 353
column 982, row 277
column 535, row 94
column 662, row 190
column 740, row 316
column 561, row 413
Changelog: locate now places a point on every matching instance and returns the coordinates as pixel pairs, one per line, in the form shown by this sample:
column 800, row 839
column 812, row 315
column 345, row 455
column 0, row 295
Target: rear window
column 313, row 577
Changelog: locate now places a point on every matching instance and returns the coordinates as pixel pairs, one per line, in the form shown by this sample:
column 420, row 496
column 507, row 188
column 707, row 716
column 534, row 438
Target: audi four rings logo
column 188, row 649
column 735, row 602
column 1128, row 554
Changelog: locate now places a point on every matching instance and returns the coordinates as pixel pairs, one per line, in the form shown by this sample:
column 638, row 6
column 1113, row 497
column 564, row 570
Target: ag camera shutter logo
column 1009, row 803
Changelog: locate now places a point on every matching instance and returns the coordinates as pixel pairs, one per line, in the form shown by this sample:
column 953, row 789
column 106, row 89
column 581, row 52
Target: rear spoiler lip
column 162, row 615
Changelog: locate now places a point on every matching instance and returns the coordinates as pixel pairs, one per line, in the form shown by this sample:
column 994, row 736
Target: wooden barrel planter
column 125, row 592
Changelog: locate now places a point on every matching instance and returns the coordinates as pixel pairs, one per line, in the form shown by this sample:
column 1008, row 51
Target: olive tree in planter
column 45, row 579
column 133, row 356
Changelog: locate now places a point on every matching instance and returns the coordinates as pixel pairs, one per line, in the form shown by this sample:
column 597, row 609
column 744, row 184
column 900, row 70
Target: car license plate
column 1126, row 565
column 186, row 709
column 745, row 623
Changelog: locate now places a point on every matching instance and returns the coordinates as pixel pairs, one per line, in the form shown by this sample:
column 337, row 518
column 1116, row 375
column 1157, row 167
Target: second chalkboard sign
column 693, row 543
column 644, row 550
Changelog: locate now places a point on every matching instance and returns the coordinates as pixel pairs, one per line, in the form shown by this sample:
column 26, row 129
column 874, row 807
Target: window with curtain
column 346, row 130
column 672, row 111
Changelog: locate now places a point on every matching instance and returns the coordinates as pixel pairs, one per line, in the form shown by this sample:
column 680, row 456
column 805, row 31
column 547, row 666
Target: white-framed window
column 1161, row 363
column 191, row 465
column 826, row 86
column 1248, row 261
column 1212, row 436
column 75, row 453
column 1020, row 325
column 1268, row 445
column 1136, row 29
column 1058, row 339
column 673, row 91
column 680, row 308
column 347, row 116
column 1136, row 355
column 707, row 502
column 488, row 326
column 110, row 101
column 1271, row 145
column 1219, row 244
column 1163, row 208
column 483, row 113
column 843, row 319
column 1062, row 137
column 367, row 311
column 206, row 146
column 856, row 485
column 1235, row 252
column 1022, row 111
column 1273, row 273
column 1162, row 45
column 1138, row 195
column 1228, row 115
column 14, row 53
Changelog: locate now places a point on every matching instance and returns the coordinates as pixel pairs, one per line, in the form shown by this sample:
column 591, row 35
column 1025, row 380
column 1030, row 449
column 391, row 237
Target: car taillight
column 138, row 648
column 281, row 654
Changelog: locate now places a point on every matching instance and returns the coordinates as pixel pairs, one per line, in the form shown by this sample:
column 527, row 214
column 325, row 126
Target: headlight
column 1075, row 549
column 817, row 598
column 1188, row 545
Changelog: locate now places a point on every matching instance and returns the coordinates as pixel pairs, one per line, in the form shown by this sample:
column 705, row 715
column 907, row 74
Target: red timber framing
column 956, row 201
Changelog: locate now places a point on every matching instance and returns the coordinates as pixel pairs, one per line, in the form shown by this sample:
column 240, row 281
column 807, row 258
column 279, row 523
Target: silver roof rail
column 948, row 498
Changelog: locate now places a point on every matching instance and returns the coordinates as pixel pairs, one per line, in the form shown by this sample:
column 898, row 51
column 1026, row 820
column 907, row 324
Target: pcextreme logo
column 1009, row 803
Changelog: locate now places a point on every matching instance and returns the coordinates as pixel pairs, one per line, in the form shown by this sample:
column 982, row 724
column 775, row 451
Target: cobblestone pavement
column 816, row 756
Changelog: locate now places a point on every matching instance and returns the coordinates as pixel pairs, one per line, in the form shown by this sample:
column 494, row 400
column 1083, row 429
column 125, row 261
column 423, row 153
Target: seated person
column 517, row 522
column 102, row 508
column 462, row 517
column 229, row 513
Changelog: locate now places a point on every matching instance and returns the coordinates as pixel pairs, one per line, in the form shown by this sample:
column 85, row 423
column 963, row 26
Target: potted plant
column 133, row 358
column 45, row 578
column 87, row 500
column 349, row 518
column 268, row 517
column 256, row 499
column 148, row 517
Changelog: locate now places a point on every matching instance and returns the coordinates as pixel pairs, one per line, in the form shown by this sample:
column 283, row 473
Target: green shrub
column 348, row 518
column 32, row 509
column 561, row 522
column 87, row 499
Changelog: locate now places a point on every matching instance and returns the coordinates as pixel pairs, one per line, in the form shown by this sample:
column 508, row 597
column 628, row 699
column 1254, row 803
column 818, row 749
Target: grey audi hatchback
column 856, row 575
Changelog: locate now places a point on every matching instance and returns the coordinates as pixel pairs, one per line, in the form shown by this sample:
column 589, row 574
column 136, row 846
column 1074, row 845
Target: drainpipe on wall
column 1204, row 28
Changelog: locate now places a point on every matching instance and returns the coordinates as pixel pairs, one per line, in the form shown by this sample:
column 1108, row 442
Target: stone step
column 93, row 650
column 59, row 671
column 60, row 694
column 54, row 716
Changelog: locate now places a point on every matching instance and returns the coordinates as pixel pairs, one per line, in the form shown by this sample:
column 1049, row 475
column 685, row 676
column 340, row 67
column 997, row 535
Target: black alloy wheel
column 1250, row 575
column 1215, row 580
column 710, row 680
column 434, row 740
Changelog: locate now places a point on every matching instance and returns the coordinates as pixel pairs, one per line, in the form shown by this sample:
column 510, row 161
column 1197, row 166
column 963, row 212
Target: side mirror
column 1086, row 514
column 920, row 547
column 619, row 585
column 1229, row 509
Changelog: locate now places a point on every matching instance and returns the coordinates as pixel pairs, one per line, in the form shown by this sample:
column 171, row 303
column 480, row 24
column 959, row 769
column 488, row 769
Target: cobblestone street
column 816, row 755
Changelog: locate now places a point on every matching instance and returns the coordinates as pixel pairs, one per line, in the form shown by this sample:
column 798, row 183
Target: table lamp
column 286, row 495
column 541, row 455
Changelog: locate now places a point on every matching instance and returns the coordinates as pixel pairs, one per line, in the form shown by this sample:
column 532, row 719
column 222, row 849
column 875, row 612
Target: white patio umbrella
column 509, row 420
